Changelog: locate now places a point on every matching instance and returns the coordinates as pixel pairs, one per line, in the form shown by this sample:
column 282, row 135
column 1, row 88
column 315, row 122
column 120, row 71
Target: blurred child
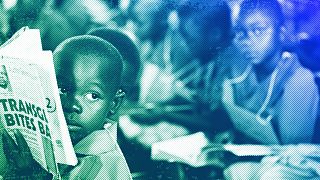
column 131, row 59
column 88, row 72
column 274, row 90
column 274, row 78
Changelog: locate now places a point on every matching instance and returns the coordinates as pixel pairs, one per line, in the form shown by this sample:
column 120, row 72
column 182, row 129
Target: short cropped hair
column 123, row 43
column 87, row 45
column 272, row 8
column 210, row 14
column 129, row 52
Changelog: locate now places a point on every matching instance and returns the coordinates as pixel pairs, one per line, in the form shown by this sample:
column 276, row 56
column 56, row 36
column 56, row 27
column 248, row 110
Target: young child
column 136, row 157
column 274, row 84
column 88, row 72
column 274, row 92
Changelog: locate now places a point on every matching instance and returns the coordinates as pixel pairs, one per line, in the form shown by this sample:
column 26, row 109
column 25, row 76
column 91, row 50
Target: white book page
column 24, row 42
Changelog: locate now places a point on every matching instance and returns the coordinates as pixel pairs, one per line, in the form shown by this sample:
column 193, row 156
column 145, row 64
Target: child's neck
column 266, row 68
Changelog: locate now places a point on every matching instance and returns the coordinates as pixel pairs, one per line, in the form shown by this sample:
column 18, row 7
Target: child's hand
column 221, row 159
column 19, row 157
column 224, row 137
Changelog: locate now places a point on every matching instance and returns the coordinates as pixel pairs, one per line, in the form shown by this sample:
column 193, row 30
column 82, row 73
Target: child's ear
column 116, row 103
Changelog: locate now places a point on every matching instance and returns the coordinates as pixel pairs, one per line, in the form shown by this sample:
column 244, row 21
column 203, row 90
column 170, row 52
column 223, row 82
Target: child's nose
column 72, row 105
column 77, row 109
column 247, row 42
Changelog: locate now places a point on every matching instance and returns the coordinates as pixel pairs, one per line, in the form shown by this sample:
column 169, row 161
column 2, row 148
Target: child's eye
column 62, row 90
column 239, row 33
column 92, row 96
column 257, row 31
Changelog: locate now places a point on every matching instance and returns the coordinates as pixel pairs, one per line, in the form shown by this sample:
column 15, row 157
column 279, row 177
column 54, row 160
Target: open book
column 197, row 150
column 29, row 100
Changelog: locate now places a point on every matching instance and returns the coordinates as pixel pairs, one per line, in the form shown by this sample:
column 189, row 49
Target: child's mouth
column 74, row 128
column 72, row 124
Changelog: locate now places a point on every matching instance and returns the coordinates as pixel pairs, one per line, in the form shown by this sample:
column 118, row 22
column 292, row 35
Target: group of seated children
column 273, row 91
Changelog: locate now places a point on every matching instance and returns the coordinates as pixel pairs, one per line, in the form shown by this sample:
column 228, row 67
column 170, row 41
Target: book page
column 43, row 62
column 22, row 107
column 63, row 146
column 31, row 81
column 186, row 149
column 24, row 41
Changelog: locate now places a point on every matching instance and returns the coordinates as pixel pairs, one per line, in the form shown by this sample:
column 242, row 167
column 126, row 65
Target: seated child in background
column 275, row 91
column 88, row 72
column 274, row 86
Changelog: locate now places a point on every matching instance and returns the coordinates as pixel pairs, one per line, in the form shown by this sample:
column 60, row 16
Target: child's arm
column 299, row 110
column 21, row 163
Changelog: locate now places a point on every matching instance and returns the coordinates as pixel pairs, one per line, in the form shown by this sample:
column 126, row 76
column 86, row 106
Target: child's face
column 145, row 15
column 3, row 77
column 256, row 36
column 201, row 42
column 86, row 91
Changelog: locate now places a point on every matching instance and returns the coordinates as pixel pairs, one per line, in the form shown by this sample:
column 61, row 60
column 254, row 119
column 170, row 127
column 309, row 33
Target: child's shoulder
column 301, row 77
column 99, row 141
column 103, row 158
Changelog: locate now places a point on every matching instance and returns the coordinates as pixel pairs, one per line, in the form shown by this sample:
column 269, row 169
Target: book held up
column 30, row 102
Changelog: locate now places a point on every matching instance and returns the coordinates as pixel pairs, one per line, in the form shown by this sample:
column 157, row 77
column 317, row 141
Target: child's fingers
column 9, row 147
column 22, row 144
column 24, row 151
